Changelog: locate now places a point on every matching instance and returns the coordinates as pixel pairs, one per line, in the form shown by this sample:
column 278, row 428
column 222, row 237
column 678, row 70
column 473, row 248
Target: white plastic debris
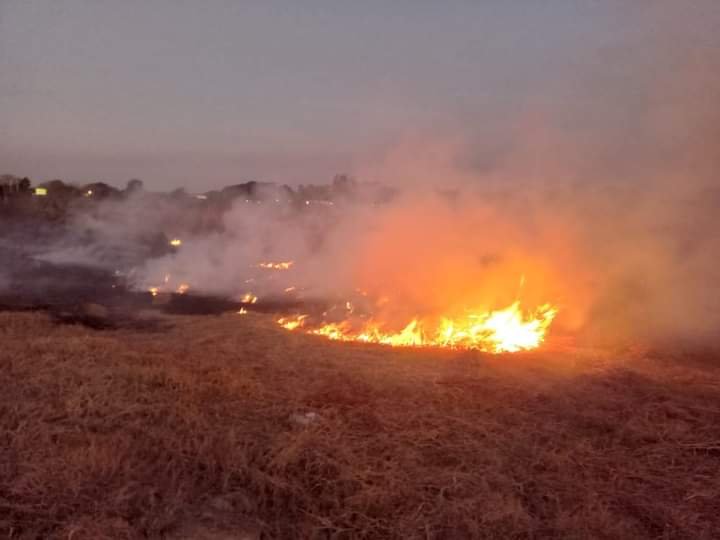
column 305, row 419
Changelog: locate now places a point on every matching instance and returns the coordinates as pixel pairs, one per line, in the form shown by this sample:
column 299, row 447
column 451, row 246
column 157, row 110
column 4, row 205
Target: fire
column 249, row 298
column 276, row 265
column 242, row 311
column 504, row 330
column 175, row 242
column 293, row 322
column 183, row 288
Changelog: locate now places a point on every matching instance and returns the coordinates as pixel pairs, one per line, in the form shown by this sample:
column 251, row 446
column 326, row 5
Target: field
column 227, row 426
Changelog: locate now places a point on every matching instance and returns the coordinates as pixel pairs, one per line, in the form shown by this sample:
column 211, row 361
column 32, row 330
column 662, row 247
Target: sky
column 203, row 94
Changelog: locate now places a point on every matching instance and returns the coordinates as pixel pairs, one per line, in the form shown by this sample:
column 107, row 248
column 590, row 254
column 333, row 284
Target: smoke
column 120, row 233
column 4, row 282
column 621, row 259
column 600, row 195
column 619, row 227
column 634, row 252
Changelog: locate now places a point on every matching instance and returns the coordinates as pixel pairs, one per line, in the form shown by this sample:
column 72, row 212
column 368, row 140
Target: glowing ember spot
column 291, row 323
column 154, row 291
column 504, row 330
column 249, row 298
column 242, row 311
column 276, row 265
column 182, row 288
column 175, row 242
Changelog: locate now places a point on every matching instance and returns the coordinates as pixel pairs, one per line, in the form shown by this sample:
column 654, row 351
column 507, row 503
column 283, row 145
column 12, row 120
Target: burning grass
column 498, row 331
column 229, row 423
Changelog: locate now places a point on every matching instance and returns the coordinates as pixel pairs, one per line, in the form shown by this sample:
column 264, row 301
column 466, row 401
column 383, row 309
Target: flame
column 182, row 288
column 175, row 242
column 503, row 330
column 276, row 265
column 249, row 298
column 293, row 322
column 242, row 311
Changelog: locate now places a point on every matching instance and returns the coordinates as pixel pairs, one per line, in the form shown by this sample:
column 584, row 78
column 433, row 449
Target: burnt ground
column 102, row 298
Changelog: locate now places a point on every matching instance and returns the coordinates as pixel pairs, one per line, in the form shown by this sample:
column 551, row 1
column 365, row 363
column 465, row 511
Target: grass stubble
column 200, row 430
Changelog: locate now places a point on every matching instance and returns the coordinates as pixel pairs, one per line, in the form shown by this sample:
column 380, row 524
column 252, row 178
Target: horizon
column 182, row 95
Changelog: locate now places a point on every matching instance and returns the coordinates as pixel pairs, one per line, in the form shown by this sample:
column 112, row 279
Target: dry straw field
column 227, row 426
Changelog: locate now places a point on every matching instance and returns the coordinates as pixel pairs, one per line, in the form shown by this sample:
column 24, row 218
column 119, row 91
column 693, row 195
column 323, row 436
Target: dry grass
column 188, row 433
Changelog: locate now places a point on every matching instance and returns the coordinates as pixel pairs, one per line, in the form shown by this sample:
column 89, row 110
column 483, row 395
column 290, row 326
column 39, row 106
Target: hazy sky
column 205, row 93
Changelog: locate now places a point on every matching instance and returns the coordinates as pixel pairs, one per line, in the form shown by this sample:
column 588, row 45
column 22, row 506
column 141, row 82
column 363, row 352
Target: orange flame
column 293, row 322
column 183, row 288
column 276, row 265
column 249, row 298
column 504, row 330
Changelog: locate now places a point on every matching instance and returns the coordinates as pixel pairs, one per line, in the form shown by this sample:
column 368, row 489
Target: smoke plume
column 601, row 199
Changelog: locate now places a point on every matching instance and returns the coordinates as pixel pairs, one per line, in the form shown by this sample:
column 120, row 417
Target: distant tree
column 9, row 182
column 247, row 190
column 134, row 185
column 287, row 193
column 343, row 186
column 8, row 178
column 59, row 189
column 179, row 193
column 343, row 182
column 99, row 190
column 56, row 185
column 250, row 189
column 11, row 185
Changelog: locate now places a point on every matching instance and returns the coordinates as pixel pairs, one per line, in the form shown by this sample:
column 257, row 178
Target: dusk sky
column 203, row 94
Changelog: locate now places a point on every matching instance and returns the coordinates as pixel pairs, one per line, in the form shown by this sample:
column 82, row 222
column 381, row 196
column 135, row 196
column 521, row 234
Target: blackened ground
column 103, row 299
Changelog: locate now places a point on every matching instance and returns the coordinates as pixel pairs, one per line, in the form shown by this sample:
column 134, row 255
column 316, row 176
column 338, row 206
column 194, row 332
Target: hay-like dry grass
column 199, row 431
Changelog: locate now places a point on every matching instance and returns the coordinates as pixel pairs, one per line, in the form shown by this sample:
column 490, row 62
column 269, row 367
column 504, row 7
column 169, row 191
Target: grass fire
column 276, row 265
column 280, row 373
column 393, row 270
column 503, row 330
